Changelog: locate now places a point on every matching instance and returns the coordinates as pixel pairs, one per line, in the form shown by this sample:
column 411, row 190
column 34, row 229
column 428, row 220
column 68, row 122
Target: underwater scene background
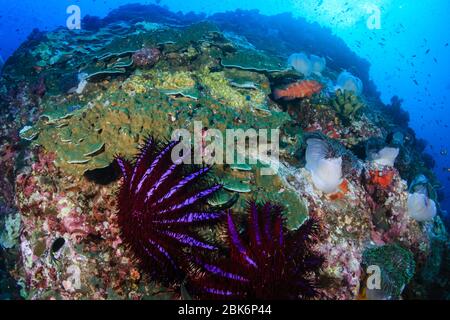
column 91, row 207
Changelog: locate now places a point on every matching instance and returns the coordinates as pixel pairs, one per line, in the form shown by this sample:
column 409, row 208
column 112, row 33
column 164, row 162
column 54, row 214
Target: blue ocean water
column 409, row 51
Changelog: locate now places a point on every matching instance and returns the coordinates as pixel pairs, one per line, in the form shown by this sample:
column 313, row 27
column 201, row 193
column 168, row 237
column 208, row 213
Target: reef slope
column 72, row 102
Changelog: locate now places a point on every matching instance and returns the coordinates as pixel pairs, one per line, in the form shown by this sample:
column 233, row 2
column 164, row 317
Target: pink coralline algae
column 56, row 208
column 146, row 57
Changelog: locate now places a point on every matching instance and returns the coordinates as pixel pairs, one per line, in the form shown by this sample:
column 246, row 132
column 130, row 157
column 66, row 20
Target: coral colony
column 353, row 185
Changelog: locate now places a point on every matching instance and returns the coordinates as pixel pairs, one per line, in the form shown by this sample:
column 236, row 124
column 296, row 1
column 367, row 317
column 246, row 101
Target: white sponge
column 347, row 81
column 326, row 173
column 420, row 207
column 386, row 156
column 301, row 63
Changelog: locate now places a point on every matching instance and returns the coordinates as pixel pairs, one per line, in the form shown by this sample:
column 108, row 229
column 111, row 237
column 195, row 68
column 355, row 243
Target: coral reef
column 72, row 102
column 70, row 243
column 10, row 231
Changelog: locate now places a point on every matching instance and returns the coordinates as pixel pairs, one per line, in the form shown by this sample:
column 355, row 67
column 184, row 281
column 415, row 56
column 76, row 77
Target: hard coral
column 39, row 89
column 347, row 104
column 159, row 202
column 8, row 155
column 268, row 264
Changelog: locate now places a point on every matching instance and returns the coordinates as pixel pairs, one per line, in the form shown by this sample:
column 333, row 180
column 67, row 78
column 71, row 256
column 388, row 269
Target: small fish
column 302, row 89
column 428, row 51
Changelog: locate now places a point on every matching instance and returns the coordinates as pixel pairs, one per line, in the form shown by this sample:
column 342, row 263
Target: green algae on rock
column 397, row 267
